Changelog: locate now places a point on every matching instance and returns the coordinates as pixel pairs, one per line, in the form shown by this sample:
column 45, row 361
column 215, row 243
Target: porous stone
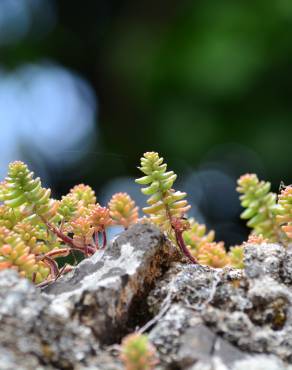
column 105, row 291
column 264, row 259
column 287, row 266
column 249, row 310
column 199, row 318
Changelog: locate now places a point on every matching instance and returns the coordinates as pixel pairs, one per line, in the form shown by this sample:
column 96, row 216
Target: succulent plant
column 284, row 211
column 236, row 256
column 137, row 353
column 20, row 188
column 15, row 254
column 67, row 208
column 196, row 236
column 213, row 254
column 260, row 205
column 84, row 194
column 256, row 239
column 166, row 207
column 123, row 210
column 164, row 203
column 35, row 229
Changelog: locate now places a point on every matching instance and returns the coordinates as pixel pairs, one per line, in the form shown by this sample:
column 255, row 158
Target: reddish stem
column 104, row 240
column 33, row 277
column 63, row 270
column 61, row 252
column 87, row 249
column 179, row 238
column 95, row 238
column 183, row 247
column 52, row 265
column 67, row 240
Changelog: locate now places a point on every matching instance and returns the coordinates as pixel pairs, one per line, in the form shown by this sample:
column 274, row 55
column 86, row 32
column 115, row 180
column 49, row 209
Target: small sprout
column 123, row 210
column 67, row 208
column 137, row 353
column 82, row 230
column 256, row 239
column 84, row 194
column 100, row 220
column 213, row 254
column 260, row 205
column 236, row 256
column 164, row 203
column 20, row 188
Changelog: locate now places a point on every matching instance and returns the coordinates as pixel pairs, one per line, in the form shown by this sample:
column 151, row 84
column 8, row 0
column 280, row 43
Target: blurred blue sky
column 48, row 111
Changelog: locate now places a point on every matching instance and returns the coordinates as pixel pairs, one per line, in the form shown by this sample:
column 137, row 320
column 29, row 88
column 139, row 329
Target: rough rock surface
column 199, row 318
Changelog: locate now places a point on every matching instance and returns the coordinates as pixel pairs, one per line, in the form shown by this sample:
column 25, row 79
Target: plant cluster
column 35, row 229
column 268, row 215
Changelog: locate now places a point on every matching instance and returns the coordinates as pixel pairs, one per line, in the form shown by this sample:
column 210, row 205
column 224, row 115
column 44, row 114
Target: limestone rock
column 199, row 318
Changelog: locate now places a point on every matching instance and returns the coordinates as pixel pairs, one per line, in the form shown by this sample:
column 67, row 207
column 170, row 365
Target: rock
column 65, row 325
column 250, row 309
column 199, row 318
column 287, row 266
column 264, row 259
column 106, row 292
column 261, row 362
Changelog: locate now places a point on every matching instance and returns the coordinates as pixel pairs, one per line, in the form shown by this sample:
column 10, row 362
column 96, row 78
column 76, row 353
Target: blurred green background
column 87, row 87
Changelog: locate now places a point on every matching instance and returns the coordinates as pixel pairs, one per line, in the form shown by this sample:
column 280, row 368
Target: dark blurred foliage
column 206, row 83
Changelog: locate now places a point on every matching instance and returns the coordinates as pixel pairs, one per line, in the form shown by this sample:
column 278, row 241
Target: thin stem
column 74, row 257
column 178, row 234
column 44, row 283
column 95, row 238
column 61, row 252
column 104, row 240
column 65, row 238
column 33, row 277
column 52, row 265
column 183, row 247
column 64, row 269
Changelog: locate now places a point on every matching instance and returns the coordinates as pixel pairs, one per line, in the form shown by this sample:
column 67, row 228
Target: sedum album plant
column 137, row 352
column 260, row 205
column 284, row 212
column 168, row 209
column 269, row 215
column 123, row 210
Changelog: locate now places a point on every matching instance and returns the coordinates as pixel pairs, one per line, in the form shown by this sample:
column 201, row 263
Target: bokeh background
column 87, row 87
